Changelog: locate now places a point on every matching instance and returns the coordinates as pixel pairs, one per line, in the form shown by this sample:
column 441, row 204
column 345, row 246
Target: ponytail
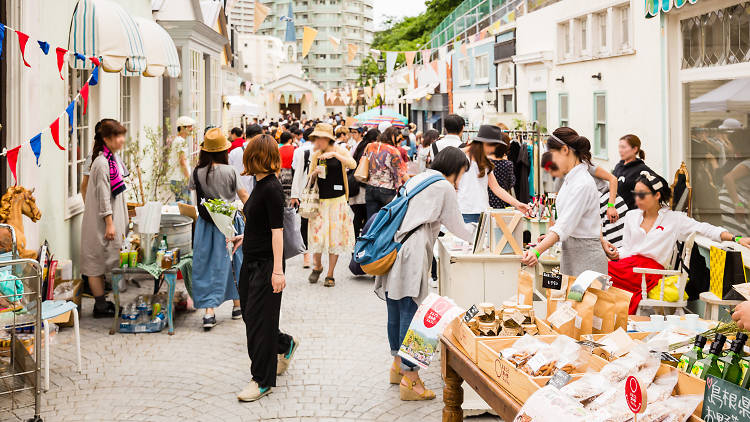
column 565, row 136
column 635, row 142
column 641, row 154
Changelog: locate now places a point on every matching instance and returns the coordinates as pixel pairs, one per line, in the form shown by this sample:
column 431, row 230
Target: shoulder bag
column 309, row 201
column 293, row 243
column 362, row 174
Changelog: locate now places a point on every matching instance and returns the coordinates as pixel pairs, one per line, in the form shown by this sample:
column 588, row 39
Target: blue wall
column 487, row 48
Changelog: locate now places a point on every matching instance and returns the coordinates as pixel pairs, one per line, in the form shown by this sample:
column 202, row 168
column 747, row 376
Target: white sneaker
column 253, row 392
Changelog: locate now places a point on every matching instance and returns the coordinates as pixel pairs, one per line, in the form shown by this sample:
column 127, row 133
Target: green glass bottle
column 732, row 369
column 709, row 365
column 688, row 358
column 745, row 364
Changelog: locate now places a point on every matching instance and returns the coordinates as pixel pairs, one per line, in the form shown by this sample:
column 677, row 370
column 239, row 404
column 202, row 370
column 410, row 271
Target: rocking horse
column 14, row 204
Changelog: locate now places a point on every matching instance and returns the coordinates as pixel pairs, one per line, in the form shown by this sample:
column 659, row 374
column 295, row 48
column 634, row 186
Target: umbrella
column 384, row 112
column 376, row 120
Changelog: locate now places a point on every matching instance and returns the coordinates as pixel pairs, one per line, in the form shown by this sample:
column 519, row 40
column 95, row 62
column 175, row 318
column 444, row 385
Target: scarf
column 116, row 183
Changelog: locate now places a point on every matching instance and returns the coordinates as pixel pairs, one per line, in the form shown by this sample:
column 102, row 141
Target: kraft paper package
column 525, row 288
column 585, row 319
column 563, row 319
column 555, row 297
column 428, row 324
column 604, row 312
column 622, row 304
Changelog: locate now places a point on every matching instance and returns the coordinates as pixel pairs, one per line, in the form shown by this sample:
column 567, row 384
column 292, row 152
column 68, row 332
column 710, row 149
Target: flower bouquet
column 223, row 213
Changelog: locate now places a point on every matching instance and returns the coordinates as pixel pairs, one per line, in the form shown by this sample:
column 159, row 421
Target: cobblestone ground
column 340, row 371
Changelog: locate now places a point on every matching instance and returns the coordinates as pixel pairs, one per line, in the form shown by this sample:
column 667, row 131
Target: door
column 539, row 109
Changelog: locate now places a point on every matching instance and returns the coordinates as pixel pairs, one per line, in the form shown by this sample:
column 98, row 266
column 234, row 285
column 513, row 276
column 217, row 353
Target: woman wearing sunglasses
column 578, row 224
column 651, row 231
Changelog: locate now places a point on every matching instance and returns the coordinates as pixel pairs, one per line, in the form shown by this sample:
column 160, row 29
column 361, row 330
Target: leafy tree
column 413, row 33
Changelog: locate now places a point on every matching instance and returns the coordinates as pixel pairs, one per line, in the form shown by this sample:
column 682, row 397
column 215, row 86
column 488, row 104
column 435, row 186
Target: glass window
column 126, row 93
column 508, row 105
column 215, row 93
column 565, row 36
column 463, row 72
column 583, row 33
column 79, row 142
column 601, row 20
column 600, row 124
column 564, row 114
column 481, row 68
column 625, row 27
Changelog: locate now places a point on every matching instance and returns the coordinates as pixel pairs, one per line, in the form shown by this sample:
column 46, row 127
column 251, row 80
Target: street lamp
column 381, row 78
column 490, row 98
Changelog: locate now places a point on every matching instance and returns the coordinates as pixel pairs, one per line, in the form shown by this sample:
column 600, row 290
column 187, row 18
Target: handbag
column 309, row 200
column 727, row 269
column 362, row 174
column 354, row 186
column 293, row 243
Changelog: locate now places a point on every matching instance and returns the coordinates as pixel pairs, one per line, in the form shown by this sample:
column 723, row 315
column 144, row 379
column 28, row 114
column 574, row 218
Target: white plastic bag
column 421, row 340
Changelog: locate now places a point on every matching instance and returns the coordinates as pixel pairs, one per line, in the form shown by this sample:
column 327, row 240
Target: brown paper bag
column 603, row 321
column 622, row 304
column 563, row 319
column 525, row 288
column 585, row 310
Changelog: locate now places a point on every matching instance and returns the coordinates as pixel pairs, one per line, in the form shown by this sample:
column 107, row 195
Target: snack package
column 571, row 356
column 638, row 358
column 586, row 389
column 617, row 343
column 622, row 303
column 603, row 320
column 563, row 319
column 661, row 388
column 525, row 288
column 585, row 319
column 673, row 409
column 523, row 350
column 555, row 297
column 432, row 317
column 583, row 282
column 550, row 404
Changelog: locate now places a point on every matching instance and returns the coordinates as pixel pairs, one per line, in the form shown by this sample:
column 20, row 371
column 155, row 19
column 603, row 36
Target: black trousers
column 260, row 311
column 303, row 230
column 360, row 218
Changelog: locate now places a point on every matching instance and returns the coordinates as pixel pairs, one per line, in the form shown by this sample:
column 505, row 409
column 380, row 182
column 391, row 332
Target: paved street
column 340, row 371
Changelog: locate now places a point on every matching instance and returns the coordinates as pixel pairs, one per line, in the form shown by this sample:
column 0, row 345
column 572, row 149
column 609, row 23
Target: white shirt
column 473, row 197
column 298, row 164
column 578, row 206
column 448, row 141
column 235, row 160
column 669, row 227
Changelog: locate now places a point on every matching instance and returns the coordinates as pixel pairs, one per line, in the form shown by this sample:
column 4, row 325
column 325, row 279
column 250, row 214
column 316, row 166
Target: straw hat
column 323, row 130
column 215, row 141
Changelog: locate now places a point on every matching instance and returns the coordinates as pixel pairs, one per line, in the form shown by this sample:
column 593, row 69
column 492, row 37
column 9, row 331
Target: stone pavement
column 340, row 372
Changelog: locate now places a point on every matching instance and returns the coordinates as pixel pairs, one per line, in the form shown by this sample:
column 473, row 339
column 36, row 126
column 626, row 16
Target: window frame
column 79, row 143
column 483, row 67
column 600, row 152
column 463, row 65
column 624, row 20
column 564, row 121
column 216, row 104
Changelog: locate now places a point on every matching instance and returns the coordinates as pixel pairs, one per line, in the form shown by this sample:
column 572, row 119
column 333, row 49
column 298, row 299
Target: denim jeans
column 400, row 314
column 471, row 218
column 376, row 198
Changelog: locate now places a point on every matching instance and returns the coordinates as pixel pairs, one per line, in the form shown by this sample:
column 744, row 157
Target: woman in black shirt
column 331, row 231
column 629, row 169
column 262, row 275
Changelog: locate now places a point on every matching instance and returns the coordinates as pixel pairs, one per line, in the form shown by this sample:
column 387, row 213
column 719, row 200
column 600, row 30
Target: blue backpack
column 376, row 250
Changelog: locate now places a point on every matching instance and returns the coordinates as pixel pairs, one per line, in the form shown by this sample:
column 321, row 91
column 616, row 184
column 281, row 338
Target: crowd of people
column 609, row 222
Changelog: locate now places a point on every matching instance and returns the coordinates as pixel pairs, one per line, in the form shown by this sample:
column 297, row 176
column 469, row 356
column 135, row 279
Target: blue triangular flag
column 70, row 109
column 81, row 57
column 2, row 37
column 94, row 76
column 44, row 45
column 36, row 146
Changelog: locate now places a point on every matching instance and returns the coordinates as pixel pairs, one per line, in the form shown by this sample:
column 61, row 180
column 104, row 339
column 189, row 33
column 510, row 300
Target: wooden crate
column 519, row 384
column 686, row 384
column 469, row 340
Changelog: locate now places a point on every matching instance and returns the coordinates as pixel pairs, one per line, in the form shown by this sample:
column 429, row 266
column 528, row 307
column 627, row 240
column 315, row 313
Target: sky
column 396, row 8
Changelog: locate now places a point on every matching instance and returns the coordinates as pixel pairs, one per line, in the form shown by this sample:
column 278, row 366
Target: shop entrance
column 295, row 108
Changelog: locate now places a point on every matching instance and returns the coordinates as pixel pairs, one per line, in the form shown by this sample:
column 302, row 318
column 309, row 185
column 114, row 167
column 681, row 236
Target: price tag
column 518, row 317
column 552, row 280
column 560, row 379
column 589, row 343
column 471, row 313
column 668, row 358
column 635, row 396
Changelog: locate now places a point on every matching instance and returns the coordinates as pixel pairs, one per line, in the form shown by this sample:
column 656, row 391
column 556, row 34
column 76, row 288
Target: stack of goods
column 145, row 315
column 509, row 320
column 540, row 359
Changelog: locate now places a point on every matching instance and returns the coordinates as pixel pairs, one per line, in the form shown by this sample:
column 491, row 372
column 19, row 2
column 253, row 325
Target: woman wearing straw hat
column 331, row 231
column 214, row 178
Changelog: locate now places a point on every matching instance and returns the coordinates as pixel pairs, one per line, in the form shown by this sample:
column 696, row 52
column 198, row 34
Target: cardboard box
column 517, row 383
column 469, row 341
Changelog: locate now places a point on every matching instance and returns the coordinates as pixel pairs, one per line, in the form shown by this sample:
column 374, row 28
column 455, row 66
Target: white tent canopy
column 241, row 105
column 731, row 96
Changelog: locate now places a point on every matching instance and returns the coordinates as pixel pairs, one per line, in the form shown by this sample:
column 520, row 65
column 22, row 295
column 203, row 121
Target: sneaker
column 236, row 312
column 284, row 360
column 253, row 392
column 209, row 322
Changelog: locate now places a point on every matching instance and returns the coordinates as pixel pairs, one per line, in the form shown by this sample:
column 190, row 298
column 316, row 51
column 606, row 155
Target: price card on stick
column 635, row 396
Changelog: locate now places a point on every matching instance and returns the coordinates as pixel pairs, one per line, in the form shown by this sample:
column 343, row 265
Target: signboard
column 635, row 396
column 552, row 280
column 724, row 401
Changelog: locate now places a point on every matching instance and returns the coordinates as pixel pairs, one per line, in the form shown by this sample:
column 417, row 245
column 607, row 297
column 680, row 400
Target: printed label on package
column 552, row 281
column 560, row 379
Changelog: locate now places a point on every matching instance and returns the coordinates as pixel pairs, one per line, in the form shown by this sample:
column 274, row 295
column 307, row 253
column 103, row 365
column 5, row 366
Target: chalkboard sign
column 552, row 281
column 471, row 313
column 724, row 401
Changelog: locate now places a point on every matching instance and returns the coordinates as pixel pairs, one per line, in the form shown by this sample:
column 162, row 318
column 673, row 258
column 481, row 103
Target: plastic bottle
column 732, row 370
column 710, row 364
column 696, row 353
column 142, row 311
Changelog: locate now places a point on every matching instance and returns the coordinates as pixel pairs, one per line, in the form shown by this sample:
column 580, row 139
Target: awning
column 241, row 105
column 421, row 92
column 103, row 28
column 653, row 7
column 434, row 118
column 161, row 54
column 731, row 96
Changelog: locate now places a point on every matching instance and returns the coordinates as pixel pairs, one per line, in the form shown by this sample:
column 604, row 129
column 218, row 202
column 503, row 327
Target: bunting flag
column 94, row 76
column 261, row 11
column 410, row 58
column 355, row 94
column 61, row 52
column 443, row 52
column 352, row 52
column 79, row 56
column 54, row 128
column 375, row 54
column 44, row 45
column 22, row 39
column 482, row 34
column 70, row 109
column 368, row 92
column 335, row 42
column 12, row 156
column 36, row 146
column 2, row 37
column 96, row 63
column 464, row 50
column 390, row 61
column 85, row 95
column 434, row 65
column 307, row 97
column 308, row 36
column 425, row 56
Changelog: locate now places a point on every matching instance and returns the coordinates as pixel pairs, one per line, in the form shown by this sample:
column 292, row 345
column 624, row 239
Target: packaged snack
column 523, row 350
column 586, row 389
column 525, row 288
column 585, row 319
column 673, row 409
column 421, row 340
column 550, row 404
column 603, row 320
column 661, row 388
column 563, row 319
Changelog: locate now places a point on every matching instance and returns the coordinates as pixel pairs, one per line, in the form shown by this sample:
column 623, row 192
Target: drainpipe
column 664, row 89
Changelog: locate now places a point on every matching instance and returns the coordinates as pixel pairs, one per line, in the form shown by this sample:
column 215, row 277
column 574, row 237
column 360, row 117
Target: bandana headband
column 552, row 135
column 653, row 180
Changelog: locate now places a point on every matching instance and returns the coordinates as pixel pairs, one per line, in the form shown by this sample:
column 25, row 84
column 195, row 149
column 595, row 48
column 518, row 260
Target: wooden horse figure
column 14, row 204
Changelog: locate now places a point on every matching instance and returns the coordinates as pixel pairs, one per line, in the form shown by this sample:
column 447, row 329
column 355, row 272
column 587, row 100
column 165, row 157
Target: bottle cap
column 737, row 346
column 718, row 345
column 700, row 341
column 742, row 337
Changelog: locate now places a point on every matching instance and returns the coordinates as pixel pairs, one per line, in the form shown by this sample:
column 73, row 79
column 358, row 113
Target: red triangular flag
column 12, row 156
column 60, row 59
column 55, row 129
column 85, row 96
column 22, row 38
column 434, row 65
column 95, row 61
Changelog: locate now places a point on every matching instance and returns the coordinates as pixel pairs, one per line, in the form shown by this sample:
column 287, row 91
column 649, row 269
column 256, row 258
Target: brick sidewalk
column 340, row 371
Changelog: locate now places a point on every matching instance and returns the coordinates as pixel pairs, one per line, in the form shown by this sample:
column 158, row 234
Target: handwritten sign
column 635, row 396
column 552, row 281
column 724, row 401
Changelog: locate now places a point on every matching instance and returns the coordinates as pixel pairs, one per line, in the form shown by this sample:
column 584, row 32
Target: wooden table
column 456, row 368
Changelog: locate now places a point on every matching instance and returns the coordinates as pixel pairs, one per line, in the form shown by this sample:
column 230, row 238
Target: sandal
column 407, row 392
column 396, row 374
column 330, row 282
column 314, row 276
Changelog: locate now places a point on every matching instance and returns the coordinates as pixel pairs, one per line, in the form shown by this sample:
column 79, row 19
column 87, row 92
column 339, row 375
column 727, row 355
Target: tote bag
column 309, row 201
column 293, row 244
column 362, row 174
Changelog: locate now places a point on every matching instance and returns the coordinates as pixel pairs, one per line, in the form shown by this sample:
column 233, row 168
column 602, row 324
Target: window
column 508, row 106
column 197, row 84
column 564, row 111
column 126, row 94
column 600, row 124
column 481, row 69
column 79, row 143
column 601, row 29
column 564, row 37
column 464, row 76
column 716, row 38
column 215, row 92
column 583, row 34
column 624, row 18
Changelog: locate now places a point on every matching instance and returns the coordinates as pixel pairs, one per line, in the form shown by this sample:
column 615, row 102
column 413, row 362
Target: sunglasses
column 641, row 195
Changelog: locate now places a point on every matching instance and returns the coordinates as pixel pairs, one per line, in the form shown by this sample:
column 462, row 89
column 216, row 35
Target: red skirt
column 624, row 278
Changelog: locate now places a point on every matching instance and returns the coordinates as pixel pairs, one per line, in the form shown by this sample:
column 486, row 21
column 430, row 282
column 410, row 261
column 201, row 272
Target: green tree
column 413, row 33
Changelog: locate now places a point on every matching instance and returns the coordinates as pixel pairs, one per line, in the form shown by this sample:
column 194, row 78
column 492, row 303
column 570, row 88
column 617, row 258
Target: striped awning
column 161, row 53
column 653, row 7
column 104, row 29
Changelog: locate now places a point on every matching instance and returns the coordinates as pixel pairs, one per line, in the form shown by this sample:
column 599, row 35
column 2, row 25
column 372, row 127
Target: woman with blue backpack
column 405, row 286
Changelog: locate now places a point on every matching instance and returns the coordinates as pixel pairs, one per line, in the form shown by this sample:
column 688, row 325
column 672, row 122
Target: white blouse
column 578, row 206
column 669, row 227
column 473, row 197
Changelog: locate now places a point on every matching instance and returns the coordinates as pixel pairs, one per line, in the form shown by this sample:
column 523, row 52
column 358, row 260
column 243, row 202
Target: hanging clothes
column 518, row 154
column 532, row 192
